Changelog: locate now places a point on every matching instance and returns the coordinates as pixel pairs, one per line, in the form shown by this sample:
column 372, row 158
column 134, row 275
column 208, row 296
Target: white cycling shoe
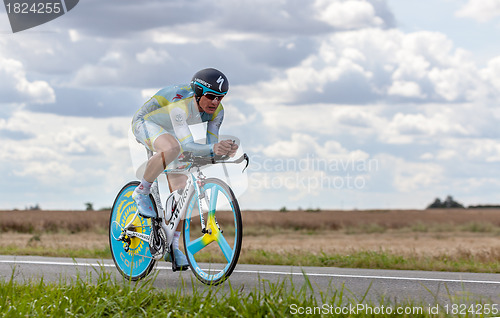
column 144, row 205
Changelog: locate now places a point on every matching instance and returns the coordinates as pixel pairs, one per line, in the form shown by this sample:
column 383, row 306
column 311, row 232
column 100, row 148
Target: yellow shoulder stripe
column 217, row 111
column 161, row 100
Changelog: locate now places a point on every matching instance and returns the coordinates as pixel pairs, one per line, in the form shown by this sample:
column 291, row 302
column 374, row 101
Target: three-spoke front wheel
column 213, row 255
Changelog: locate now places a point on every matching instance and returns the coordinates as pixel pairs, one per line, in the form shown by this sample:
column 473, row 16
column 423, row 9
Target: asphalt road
column 420, row 287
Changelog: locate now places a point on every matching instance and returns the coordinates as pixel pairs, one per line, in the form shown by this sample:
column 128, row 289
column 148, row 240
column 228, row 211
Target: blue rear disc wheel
column 134, row 262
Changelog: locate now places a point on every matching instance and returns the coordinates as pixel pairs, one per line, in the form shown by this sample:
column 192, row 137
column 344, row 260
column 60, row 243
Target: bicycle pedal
column 180, row 268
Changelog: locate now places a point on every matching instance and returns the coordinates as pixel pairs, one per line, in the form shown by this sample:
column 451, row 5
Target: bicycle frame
column 137, row 246
column 179, row 211
column 169, row 226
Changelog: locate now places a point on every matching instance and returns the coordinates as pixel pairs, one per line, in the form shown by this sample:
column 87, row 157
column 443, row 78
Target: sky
column 340, row 104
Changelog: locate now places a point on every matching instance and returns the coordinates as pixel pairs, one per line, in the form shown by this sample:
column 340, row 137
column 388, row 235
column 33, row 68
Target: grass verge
column 56, row 252
column 461, row 262
column 377, row 260
column 103, row 296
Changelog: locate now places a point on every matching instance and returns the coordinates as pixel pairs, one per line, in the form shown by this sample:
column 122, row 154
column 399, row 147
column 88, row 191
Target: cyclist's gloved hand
column 222, row 148
column 234, row 148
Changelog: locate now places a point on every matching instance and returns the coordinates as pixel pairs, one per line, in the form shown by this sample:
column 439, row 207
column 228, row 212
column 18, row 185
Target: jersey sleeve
column 213, row 126
column 178, row 116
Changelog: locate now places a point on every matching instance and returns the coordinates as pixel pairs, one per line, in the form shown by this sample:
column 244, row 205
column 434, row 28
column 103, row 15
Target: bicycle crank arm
column 143, row 237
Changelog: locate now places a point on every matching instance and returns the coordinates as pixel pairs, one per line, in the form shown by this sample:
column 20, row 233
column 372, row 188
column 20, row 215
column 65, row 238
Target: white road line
column 271, row 272
column 57, row 263
column 375, row 277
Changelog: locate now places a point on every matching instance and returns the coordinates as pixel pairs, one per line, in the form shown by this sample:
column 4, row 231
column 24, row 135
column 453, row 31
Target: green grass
column 102, row 296
column 377, row 260
column 463, row 262
column 56, row 252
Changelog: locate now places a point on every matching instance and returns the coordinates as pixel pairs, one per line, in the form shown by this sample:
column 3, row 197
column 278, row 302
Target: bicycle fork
column 202, row 197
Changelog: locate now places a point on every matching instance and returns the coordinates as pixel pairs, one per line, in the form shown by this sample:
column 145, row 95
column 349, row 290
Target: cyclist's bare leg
column 167, row 149
column 176, row 181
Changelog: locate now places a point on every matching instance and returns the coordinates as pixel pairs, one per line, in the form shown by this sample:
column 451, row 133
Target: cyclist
column 162, row 125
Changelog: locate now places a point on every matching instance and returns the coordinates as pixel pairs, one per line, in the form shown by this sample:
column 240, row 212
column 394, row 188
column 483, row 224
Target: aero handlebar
column 199, row 161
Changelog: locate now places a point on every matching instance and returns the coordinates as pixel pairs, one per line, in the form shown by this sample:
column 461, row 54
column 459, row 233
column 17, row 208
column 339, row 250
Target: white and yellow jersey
column 171, row 110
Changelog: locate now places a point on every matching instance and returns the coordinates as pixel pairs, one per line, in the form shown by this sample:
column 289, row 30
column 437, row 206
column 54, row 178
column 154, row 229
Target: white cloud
column 447, row 154
column 302, row 145
column 491, row 73
column 350, row 14
column 69, row 153
column 480, row 10
column 97, row 75
column 406, row 89
column 48, row 172
column 407, row 176
column 74, row 35
column 164, row 36
column 148, row 92
column 152, row 56
column 411, row 128
column 370, row 65
column 484, row 150
column 298, row 145
column 319, row 119
column 416, row 176
column 16, row 86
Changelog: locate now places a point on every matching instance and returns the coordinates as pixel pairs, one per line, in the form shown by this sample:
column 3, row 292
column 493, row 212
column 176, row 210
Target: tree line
column 450, row 203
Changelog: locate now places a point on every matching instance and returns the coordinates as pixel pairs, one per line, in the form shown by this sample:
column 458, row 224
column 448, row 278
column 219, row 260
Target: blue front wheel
column 213, row 254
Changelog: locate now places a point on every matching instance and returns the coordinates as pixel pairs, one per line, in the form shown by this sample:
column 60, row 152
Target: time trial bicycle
column 210, row 212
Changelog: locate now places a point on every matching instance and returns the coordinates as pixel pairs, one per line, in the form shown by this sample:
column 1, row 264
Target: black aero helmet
column 209, row 80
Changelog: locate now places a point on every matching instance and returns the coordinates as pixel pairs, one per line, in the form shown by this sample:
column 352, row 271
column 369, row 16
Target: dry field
column 456, row 233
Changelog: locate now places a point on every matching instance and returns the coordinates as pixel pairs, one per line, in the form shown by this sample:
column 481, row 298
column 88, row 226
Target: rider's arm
column 178, row 116
column 213, row 126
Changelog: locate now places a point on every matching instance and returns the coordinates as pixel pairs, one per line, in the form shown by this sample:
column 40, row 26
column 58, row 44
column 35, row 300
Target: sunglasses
column 211, row 96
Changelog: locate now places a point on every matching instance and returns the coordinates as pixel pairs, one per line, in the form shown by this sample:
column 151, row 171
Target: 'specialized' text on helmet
column 209, row 80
